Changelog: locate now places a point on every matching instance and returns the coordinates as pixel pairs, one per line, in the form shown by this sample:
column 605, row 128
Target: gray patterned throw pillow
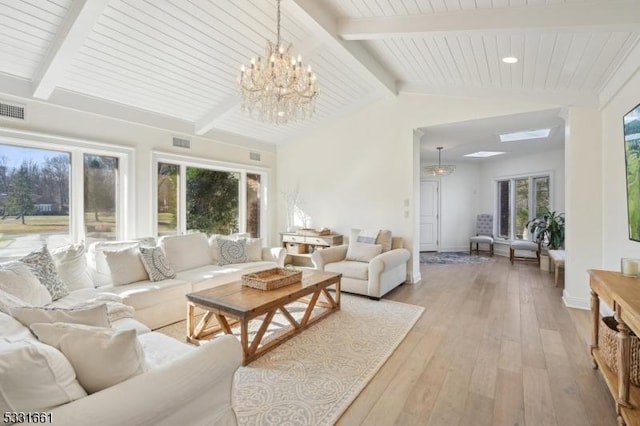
column 43, row 267
column 155, row 262
column 232, row 251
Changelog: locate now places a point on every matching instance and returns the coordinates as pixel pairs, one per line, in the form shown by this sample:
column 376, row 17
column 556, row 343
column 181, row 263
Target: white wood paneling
column 29, row 27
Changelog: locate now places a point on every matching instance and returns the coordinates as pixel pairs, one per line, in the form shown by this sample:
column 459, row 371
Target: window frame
column 185, row 161
column 512, row 199
column 77, row 148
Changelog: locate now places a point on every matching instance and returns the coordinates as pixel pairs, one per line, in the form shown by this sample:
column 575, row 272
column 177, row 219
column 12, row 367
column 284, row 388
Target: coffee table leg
column 190, row 319
column 244, row 339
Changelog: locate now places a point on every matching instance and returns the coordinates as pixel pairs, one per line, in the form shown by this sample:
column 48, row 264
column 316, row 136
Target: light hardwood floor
column 495, row 346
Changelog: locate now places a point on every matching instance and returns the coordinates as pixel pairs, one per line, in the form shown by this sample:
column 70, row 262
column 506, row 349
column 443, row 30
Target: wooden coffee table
column 234, row 303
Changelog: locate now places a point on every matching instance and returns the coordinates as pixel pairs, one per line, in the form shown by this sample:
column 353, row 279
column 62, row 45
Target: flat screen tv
column 631, row 123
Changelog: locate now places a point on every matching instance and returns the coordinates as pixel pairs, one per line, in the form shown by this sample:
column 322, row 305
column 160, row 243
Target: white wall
column 359, row 170
column 52, row 120
column 615, row 233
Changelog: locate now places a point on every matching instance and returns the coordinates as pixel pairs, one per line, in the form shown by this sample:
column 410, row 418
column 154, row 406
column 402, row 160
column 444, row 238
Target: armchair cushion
column 363, row 252
column 384, row 238
column 482, row 239
column 349, row 269
column 524, row 245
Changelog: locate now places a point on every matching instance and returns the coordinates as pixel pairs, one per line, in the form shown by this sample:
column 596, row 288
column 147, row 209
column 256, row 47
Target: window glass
column 212, row 201
column 34, row 199
column 504, row 210
column 253, row 204
column 522, row 205
column 519, row 201
column 100, row 197
column 168, row 184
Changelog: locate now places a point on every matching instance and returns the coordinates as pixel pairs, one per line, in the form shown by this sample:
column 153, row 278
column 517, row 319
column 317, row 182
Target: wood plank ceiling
column 180, row 58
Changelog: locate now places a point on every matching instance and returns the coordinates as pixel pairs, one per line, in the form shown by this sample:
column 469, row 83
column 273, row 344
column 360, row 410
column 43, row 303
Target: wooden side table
column 557, row 257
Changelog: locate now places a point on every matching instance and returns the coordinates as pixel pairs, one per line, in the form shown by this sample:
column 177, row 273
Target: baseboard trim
column 575, row 302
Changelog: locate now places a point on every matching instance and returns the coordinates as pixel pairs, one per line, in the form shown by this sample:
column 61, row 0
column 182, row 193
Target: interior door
column 429, row 215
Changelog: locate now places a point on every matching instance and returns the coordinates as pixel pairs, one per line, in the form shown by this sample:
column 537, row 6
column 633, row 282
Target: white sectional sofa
column 193, row 258
column 181, row 384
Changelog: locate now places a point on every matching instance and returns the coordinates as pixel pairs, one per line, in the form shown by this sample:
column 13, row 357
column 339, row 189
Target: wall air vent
column 11, row 111
column 255, row 156
column 181, row 143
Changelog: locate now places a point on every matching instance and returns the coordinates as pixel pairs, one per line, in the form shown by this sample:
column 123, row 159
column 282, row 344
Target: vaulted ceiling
column 172, row 63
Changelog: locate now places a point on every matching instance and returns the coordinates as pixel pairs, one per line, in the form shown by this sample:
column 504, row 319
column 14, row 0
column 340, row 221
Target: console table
column 623, row 295
column 300, row 247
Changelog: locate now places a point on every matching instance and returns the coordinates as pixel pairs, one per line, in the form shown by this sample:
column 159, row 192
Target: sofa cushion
column 80, row 296
column 44, row 269
column 117, row 353
column 97, row 262
column 362, row 252
column 160, row 349
column 8, row 301
column 126, row 266
column 18, row 279
column 254, row 249
column 186, row 251
column 146, row 293
column 350, row 269
column 35, row 377
column 12, row 330
column 71, row 263
column 96, row 315
column 156, row 264
column 231, row 251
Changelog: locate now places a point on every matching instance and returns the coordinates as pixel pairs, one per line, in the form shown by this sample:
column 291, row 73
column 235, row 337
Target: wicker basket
column 270, row 279
column 608, row 345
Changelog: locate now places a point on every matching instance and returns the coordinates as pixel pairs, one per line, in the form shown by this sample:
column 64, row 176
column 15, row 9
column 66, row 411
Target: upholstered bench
column 557, row 257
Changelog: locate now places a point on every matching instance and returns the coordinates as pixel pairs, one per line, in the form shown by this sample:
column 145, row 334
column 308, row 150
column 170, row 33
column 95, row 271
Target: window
column 211, row 197
column 37, row 180
column 520, row 200
column 100, row 195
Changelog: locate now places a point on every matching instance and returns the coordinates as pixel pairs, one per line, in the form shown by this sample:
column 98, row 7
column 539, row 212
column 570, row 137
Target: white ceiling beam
column 556, row 97
column 313, row 15
column 77, row 24
column 230, row 104
column 575, row 17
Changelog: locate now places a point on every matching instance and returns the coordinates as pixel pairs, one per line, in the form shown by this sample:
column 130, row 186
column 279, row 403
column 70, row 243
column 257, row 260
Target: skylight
column 484, row 154
column 524, row 135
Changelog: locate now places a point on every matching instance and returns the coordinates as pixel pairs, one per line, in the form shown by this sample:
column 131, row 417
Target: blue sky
column 15, row 155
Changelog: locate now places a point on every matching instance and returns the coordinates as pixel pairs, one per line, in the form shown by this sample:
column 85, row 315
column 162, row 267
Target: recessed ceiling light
column 525, row 135
column 509, row 59
column 484, row 154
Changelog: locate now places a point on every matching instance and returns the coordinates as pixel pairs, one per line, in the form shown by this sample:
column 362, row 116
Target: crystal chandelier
column 278, row 89
column 440, row 169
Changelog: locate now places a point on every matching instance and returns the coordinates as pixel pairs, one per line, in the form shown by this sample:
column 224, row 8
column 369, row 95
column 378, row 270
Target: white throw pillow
column 97, row 262
column 185, row 252
column 17, row 279
column 101, row 357
column 8, row 301
column 254, row 249
column 71, row 263
column 126, row 266
column 362, row 252
column 95, row 315
column 35, row 377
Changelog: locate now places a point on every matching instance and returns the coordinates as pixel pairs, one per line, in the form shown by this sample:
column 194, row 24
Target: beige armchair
column 366, row 268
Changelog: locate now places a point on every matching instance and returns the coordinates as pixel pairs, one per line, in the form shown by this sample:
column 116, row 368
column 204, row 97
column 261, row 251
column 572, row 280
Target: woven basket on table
column 608, row 345
column 273, row 278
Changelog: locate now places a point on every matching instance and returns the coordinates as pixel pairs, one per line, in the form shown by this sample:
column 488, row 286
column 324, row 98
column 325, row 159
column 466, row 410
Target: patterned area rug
column 452, row 257
column 312, row 378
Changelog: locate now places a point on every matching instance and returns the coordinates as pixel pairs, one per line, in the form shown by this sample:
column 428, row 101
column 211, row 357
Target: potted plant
column 548, row 229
